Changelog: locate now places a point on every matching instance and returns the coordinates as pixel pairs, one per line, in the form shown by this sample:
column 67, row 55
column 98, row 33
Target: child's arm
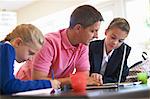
column 8, row 82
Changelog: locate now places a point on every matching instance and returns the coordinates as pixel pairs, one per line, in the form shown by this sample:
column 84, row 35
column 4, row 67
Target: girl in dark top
column 106, row 55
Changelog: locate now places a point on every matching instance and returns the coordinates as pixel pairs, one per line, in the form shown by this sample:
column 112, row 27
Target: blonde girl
column 20, row 45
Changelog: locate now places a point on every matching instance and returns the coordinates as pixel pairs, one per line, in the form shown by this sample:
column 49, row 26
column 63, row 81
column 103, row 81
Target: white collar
column 8, row 42
column 105, row 56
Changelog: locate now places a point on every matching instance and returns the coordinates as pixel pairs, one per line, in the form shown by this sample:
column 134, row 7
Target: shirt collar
column 65, row 41
column 105, row 56
column 8, row 42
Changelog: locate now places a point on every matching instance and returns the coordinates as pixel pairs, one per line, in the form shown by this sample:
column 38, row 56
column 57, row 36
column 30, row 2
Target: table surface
column 123, row 92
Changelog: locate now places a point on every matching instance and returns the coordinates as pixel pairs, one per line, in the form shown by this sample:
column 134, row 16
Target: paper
column 37, row 92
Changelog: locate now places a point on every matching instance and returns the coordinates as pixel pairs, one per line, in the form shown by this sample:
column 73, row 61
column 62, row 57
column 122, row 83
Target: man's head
column 85, row 20
column 85, row 15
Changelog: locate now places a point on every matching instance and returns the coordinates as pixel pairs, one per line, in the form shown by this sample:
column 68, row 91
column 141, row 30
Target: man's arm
column 36, row 75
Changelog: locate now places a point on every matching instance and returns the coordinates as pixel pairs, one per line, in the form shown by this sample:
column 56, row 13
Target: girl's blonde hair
column 28, row 33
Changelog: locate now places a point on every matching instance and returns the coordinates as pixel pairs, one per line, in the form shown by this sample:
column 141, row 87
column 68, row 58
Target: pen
column 54, row 91
column 52, row 74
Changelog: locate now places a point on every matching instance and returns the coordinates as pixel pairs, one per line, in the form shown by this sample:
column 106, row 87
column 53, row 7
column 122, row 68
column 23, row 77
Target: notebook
column 38, row 92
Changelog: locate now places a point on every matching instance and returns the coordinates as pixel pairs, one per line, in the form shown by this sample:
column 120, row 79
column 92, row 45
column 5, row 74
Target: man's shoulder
column 53, row 37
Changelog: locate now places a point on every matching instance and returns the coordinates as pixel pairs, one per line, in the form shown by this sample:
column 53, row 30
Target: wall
column 43, row 8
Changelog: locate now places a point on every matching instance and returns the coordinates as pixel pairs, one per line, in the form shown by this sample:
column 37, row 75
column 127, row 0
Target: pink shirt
column 58, row 54
column 24, row 72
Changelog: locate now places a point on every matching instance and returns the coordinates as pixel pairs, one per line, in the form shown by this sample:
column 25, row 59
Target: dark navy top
column 112, row 72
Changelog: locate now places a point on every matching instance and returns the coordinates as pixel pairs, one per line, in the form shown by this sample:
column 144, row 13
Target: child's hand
column 55, row 84
column 97, row 77
column 92, row 81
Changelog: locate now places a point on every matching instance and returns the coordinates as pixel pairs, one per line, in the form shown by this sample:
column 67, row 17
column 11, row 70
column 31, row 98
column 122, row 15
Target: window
column 137, row 12
column 54, row 22
column 108, row 14
column 8, row 21
column 138, row 15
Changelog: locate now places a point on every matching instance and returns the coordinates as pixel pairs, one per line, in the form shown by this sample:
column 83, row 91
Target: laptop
column 117, row 84
column 112, row 85
column 104, row 86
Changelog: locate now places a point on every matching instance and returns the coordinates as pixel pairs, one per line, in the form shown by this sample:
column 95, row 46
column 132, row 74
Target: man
column 67, row 49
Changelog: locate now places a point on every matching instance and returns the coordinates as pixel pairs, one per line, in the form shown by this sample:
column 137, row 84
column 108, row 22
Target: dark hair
column 85, row 15
column 120, row 23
